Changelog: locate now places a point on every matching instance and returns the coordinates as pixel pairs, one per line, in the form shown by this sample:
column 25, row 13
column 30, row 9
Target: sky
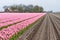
column 48, row 5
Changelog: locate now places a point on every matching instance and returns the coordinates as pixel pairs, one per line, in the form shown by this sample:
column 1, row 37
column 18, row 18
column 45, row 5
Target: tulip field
column 12, row 23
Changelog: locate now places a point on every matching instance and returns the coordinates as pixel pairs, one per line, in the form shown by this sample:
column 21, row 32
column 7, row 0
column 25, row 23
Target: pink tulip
column 7, row 33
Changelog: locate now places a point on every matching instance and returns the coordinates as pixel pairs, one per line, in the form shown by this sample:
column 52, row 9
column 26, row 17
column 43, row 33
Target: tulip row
column 7, row 33
column 9, row 17
column 2, row 23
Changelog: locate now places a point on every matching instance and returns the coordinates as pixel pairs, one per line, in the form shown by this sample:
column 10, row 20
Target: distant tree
column 30, row 8
column 20, row 8
column 41, row 9
column 6, row 8
column 13, row 8
column 37, row 9
column 10, row 8
column 23, row 8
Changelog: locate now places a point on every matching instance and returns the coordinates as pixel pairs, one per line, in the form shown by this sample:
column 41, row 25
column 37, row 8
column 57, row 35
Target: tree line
column 23, row 8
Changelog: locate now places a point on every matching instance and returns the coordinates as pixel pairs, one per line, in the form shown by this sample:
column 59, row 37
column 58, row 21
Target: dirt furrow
column 47, row 28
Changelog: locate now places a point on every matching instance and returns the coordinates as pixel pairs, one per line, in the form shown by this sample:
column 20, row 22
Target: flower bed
column 7, row 33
